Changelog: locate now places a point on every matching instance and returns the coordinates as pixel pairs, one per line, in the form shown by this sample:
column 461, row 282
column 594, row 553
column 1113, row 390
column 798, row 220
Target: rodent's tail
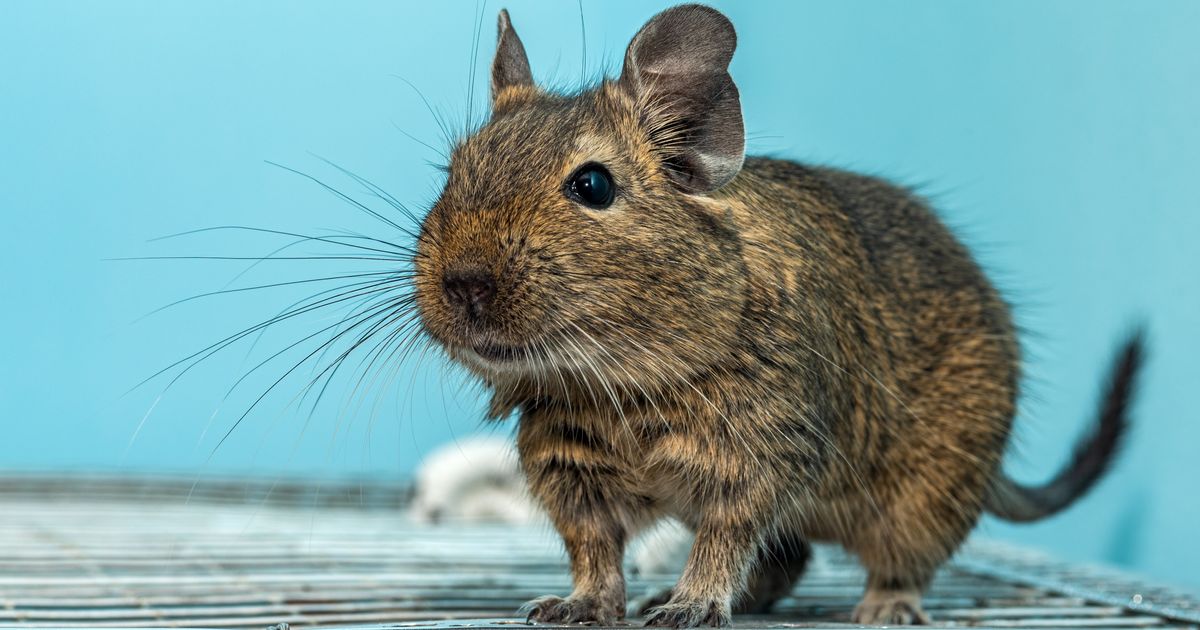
column 1012, row 501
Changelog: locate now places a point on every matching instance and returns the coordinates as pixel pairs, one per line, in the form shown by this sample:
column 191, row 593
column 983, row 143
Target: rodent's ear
column 510, row 68
column 677, row 68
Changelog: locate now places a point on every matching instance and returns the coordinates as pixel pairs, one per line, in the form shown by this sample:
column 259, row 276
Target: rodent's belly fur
column 867, row 400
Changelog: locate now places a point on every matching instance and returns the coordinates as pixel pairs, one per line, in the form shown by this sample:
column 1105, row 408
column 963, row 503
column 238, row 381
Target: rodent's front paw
column 689, row 614
column 551, row 609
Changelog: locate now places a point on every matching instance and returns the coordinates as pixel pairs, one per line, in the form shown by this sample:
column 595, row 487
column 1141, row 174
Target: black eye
column 592, row 185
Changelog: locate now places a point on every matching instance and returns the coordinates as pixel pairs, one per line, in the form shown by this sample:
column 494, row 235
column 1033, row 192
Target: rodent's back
column 880, row 248
column 903, row 326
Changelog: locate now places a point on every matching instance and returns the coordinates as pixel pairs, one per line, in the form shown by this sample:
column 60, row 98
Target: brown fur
column 801, row 354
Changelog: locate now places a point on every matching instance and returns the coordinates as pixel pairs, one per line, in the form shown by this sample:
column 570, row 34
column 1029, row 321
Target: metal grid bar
column 129, row 553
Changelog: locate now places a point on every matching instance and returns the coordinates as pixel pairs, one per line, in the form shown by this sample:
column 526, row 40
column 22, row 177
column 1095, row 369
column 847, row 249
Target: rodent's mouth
column 500, row 353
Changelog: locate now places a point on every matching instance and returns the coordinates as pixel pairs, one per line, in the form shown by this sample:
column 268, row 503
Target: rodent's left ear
column 510, row 68
column 677, row 68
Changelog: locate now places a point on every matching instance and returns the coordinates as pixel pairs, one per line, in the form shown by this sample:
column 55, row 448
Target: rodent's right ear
column 677, row 69
column 510, row 68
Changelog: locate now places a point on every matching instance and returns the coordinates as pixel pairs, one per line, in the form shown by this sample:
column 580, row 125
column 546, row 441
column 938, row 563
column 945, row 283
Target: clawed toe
column 551, row 609
column 893, row 608
column 688, row 614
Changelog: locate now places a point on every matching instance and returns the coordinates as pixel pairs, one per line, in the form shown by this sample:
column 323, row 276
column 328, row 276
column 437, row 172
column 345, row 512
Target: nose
column 470, row 291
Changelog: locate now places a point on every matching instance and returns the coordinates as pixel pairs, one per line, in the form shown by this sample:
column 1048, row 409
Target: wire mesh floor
column 128, row 553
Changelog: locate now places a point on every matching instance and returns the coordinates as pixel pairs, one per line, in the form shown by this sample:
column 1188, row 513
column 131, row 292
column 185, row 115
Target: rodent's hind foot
column 890, row 607
column 551, row 609
column 689, row 614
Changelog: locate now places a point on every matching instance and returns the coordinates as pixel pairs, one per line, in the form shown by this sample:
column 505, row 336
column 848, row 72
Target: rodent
column 773, row 353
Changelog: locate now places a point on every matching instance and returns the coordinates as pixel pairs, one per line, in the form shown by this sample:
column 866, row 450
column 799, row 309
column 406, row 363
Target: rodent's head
column 577, row 238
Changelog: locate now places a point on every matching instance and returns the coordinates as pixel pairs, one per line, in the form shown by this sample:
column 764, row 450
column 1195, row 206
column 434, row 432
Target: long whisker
column 394, row 248
column 344, row 197
column 447, row 136
column 478, row 30
column 274, row 385
column 335, row 299
column 268, row 286
column 257, row 258
column 441, row 153
column 375, row 190
column 359, row 319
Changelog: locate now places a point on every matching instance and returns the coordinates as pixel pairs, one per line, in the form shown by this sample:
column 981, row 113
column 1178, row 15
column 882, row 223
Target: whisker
column 341, row 297
column 268, row 286
column 362, row 318
column 274, row 385
column 343, row 196
column 447, row 136
column 396, row 249
column 441, row 153
column 583, row 73
column 256, row 258
column 394, row 314
column 375, row 190
column 478, row 30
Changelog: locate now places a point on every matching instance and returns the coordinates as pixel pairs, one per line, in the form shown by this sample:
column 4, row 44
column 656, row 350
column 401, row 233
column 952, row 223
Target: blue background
column 1061, row 139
